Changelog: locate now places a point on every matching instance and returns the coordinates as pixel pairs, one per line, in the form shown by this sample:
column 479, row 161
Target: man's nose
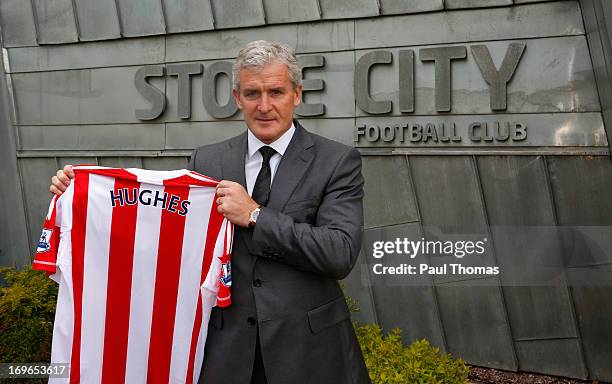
column 264, row 104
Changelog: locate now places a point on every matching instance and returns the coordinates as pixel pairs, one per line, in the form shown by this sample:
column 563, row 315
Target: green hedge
column 27, row 310
column 389, row 362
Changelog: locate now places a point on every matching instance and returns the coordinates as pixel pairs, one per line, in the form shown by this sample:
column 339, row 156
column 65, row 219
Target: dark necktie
column 261, row 190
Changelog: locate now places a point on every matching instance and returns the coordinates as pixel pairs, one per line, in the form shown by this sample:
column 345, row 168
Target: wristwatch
column 253, row 216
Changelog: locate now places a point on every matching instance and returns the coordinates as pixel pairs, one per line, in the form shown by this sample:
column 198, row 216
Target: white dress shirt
column 253, row 158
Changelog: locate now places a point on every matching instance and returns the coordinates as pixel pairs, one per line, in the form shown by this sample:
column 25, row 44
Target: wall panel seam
column 483, row 207
column 433, row 286
column 570, row 291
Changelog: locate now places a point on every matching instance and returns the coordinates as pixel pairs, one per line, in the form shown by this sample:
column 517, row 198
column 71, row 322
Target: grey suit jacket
column 285, row 271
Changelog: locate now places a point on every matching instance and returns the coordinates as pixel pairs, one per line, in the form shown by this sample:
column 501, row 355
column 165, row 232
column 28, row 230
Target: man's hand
column 61, row 180
column 234, row 203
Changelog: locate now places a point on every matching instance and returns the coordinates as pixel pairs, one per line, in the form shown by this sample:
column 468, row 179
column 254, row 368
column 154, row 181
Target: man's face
column 267, row 99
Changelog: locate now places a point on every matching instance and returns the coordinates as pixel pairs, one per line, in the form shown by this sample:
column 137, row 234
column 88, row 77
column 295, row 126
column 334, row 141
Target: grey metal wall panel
column 14, row 243
column 389, row 198
column 391, row 7
column 36, row 176
column 188, row 15
column 569, row 84
column 587, row 247
column 121, row 162
column 238, row 13
column 340, row 130
column 17, row 19
column 136, row 51
column 198, row 111
column 506, row 181
column 357, row 286
column 528, row 319
column 337, row 94
column 594, row 310
column 188, row 135
column 191, row 135
column 76, row 160
column 552, row 357
column 535, row 20
column 291, row 11
column 455, row 4
column 412, row 309
column 581, row 188
column 407, row 302
column 89, row 96
column 330, row 36
column 598, row 26
column 447, row 192
column 473, row 317
column 303, row 37
column 449, row 199
column 223, row 44
column 141, row 17
column 98, row 19
column 92, row 137
column 529, row 1
column 517, row 200
column 451, row 207
column 165, row 163
column 346, row 9
column 606, row 15
column 56, row 21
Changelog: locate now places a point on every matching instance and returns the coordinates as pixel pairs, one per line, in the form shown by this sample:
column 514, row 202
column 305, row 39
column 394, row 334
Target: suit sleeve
column 192, row 159
column 331, row 245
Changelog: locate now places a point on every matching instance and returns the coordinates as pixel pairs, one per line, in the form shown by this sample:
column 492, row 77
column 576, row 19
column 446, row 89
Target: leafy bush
column 27, row 310
column 389, row 362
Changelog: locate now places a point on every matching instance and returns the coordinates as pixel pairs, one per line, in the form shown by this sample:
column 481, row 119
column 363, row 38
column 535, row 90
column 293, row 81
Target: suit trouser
column 259, row 374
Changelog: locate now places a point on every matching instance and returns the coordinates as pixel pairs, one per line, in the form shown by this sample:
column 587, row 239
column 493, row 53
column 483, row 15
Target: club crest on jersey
column 132, row 196
column 226, row 274
column 44, row 242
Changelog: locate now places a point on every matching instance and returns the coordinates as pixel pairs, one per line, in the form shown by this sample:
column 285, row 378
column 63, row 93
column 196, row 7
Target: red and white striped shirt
column 141, row 257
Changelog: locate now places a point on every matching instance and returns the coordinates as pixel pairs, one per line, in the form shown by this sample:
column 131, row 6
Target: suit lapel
column 291, row 168
column 233, row 160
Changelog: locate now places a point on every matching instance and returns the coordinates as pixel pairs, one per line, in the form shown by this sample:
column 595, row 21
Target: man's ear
column 236, row 95
column 298, row 95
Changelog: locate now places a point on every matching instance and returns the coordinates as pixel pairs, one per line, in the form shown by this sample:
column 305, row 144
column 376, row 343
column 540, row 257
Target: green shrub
column 27, row 310
column 389, row 362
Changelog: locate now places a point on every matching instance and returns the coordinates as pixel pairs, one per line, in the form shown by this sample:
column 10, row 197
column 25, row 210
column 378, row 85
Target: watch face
column 254, row 215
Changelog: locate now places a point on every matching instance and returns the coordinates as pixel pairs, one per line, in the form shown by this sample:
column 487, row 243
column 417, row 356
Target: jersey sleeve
column 225, row 274
column 45, row 258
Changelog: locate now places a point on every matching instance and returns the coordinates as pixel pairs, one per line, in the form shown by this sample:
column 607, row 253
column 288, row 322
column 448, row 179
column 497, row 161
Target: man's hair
column 257, row 54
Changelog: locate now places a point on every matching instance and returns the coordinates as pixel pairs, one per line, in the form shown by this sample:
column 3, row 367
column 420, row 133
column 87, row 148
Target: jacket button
column 251, row 320
column 257, row 283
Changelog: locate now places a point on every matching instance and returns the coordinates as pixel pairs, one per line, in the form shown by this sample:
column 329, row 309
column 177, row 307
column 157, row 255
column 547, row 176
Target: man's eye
column 276, row 92
column 250, row 94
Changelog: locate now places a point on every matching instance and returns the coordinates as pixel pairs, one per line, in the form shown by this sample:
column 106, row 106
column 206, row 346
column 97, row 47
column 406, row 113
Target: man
column 296, row 199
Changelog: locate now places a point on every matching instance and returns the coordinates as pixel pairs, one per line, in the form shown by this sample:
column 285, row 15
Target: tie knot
column 267, row 153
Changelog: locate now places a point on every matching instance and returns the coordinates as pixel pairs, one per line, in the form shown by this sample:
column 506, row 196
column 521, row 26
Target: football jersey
column 141, row 257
